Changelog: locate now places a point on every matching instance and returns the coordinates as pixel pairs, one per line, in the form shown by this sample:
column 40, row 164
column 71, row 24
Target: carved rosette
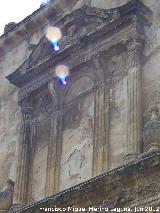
column 151, row 131
column 134, row 131
column 22, row 172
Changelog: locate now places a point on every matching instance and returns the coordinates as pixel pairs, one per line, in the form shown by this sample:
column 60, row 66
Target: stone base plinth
column 15, row 208
column 129, row 158
column 154, row 146
column 3, row 211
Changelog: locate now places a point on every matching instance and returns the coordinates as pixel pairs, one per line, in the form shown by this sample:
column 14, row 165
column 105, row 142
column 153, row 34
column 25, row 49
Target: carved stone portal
column 77, row 115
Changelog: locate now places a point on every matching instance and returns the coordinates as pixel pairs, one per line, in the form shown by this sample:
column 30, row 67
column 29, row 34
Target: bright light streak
column 62, row 72
column 45, row 2
column 55, row 44
column 63, row 79
column 54, row 35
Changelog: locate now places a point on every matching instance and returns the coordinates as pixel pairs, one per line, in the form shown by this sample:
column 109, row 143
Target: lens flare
column 54, row 35
column 44, row 2
column 62, row 72
column 63, row 79
column 55, row 44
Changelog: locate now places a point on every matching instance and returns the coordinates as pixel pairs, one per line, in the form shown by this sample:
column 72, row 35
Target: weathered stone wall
column 150, row 72
column 76, row 162
column 118, row 125
column 40, row 159
column 10, row 117
column 108, row 4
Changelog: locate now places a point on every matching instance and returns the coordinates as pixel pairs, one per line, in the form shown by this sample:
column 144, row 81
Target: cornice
column 111, row 189
column 37, row 75
column 32, row 23
column 120, row 25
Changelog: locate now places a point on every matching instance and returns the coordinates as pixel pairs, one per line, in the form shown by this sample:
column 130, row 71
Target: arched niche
column 77, row 133
column 44, row 101
column 78, row 86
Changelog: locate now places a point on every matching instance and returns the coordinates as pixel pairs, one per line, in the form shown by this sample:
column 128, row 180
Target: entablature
column 115, row 27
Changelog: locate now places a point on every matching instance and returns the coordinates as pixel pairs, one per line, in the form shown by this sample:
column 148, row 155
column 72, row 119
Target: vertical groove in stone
column 31, row 157
column 58, row 148
column 134, row 100
column 51, row 161
column 106, row 124
column 100, row 146
column 22, row 172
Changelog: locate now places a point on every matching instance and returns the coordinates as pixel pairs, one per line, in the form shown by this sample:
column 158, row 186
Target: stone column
column 51, row 159
column 101, row 131
column 58, row 147
column 134, row 127
column 54, row 154
column 101, row 124
column 23, row 158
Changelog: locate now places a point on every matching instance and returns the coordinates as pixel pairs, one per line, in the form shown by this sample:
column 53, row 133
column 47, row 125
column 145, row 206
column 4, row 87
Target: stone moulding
column 131, row 185
column 115, row 29
column 122, row 26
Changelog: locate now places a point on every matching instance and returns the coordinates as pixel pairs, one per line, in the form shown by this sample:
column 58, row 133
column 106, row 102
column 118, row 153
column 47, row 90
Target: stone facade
column 54, row 137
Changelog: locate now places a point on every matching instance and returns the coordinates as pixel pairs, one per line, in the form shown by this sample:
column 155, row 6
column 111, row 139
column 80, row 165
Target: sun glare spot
column 62, row 73
column 54, row 34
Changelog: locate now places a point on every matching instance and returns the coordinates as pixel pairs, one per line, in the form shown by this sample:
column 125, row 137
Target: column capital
column 134, row 128
column 134, row 47
column 98, row 66
column 135, row 43
column 26, row 105
column 22, row 171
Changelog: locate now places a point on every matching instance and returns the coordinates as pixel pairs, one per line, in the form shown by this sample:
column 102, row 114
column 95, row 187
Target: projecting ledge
column 116, row 188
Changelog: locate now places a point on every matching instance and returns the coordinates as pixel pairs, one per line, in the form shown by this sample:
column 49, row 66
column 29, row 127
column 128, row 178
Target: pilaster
column 134, row 127
column 23, row 158
column 101, row 125
column 54, row 153
column 58, row 147
column 51, row 181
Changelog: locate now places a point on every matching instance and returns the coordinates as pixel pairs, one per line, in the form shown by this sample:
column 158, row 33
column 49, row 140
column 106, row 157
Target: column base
column 129, row 157
column 15, row 208
column 154, row 146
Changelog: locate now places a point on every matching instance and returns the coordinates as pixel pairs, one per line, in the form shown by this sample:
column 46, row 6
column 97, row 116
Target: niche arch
column 77, row 131
column 78, row 85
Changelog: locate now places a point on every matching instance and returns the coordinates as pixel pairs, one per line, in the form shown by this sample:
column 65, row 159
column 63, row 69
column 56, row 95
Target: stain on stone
column 72, row 117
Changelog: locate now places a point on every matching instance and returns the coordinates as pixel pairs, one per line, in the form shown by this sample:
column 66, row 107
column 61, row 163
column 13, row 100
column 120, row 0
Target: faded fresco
column 78, row 115
column 118, row 123
column 40, row 160
column 77, row 148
